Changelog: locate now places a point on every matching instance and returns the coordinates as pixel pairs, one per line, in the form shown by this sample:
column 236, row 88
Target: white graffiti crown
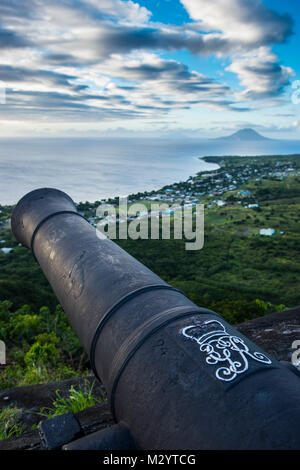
column 222, row 347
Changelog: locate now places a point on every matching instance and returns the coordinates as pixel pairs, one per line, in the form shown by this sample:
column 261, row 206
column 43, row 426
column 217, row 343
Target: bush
column 43, row 347
column 239, row 311
column 41, row 355
column 11, row 377
column 24, row 327
column 43, row 352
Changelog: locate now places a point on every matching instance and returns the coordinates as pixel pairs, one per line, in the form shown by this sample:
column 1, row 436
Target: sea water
column 93, row 169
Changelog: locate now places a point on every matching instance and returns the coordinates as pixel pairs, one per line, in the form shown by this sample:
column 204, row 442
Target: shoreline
column 213, row 167
column 209, row 159
column 88, row 171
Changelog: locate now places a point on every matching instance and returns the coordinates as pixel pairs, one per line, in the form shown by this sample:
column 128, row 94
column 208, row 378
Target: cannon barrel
column 177, row 375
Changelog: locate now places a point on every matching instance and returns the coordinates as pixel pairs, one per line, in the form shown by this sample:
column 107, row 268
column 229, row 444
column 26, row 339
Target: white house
column 267, row 232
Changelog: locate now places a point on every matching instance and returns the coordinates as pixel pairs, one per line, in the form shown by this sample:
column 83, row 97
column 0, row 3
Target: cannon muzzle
column 177, row 375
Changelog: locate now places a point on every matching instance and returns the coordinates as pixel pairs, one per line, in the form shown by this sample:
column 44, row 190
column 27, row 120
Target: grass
column 10, row 424
column 77, row 400
column 18, row 376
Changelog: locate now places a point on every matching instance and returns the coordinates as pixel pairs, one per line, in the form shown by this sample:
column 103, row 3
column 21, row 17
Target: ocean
column 91, row 169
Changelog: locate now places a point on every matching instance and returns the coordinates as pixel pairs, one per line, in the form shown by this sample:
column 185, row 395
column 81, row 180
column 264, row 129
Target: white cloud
column 247, row 23
column 260, row 74
column 249, row 28
column 129, row 12
column 92, row 59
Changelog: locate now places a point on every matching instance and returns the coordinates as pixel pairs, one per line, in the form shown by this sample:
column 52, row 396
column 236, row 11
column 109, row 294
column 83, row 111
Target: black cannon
column 177, row 375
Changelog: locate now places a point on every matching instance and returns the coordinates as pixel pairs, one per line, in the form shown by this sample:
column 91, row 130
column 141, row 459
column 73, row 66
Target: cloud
column 261, row 75
column 245, row 23
column 249, row 28
column 10, row 39
column 20, row 75
column 60, row 107
column 94, row 59
column 157, row 82
column 128, row 12
column 114, row 26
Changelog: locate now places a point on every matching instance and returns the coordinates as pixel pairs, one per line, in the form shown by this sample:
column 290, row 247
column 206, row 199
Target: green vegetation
column 238, row 273
column 10, row 424
column 41, row 346
column 78, row 400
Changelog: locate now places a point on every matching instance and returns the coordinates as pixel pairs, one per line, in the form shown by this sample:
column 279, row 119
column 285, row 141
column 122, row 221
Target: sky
column 199, row 68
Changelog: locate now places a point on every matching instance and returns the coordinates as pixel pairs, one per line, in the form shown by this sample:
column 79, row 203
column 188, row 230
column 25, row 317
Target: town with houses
column 216, row 189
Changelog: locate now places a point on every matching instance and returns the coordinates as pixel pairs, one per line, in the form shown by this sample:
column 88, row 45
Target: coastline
column 216, row 161
column 135, row 181
column 92, row 169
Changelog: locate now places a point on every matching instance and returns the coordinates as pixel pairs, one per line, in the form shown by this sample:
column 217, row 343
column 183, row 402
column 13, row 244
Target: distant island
column 247, row 135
